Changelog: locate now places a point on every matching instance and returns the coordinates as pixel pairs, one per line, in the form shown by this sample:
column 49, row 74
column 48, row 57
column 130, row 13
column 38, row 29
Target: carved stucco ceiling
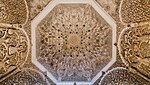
column 73, row 42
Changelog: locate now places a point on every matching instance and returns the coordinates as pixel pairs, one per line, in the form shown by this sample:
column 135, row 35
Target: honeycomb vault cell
column 73, row 42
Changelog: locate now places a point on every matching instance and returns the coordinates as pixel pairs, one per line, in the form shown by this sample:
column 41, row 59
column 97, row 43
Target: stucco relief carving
column 122, row 76
column 134, row 11
column 26, row 77
column 74, row 44
column 13, row 11
column 134, row 48
column 13, row 49
column 37, row 6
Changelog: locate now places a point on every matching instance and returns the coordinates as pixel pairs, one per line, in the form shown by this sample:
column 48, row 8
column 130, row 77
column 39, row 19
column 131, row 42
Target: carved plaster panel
column 74, row 42
column 134, row 11
column 13, row 11
column 134, row 48
column 121, row 76
column 26, row 77
column 13, row 49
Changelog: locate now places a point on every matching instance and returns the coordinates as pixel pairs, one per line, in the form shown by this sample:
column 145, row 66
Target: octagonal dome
column 73, row 42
